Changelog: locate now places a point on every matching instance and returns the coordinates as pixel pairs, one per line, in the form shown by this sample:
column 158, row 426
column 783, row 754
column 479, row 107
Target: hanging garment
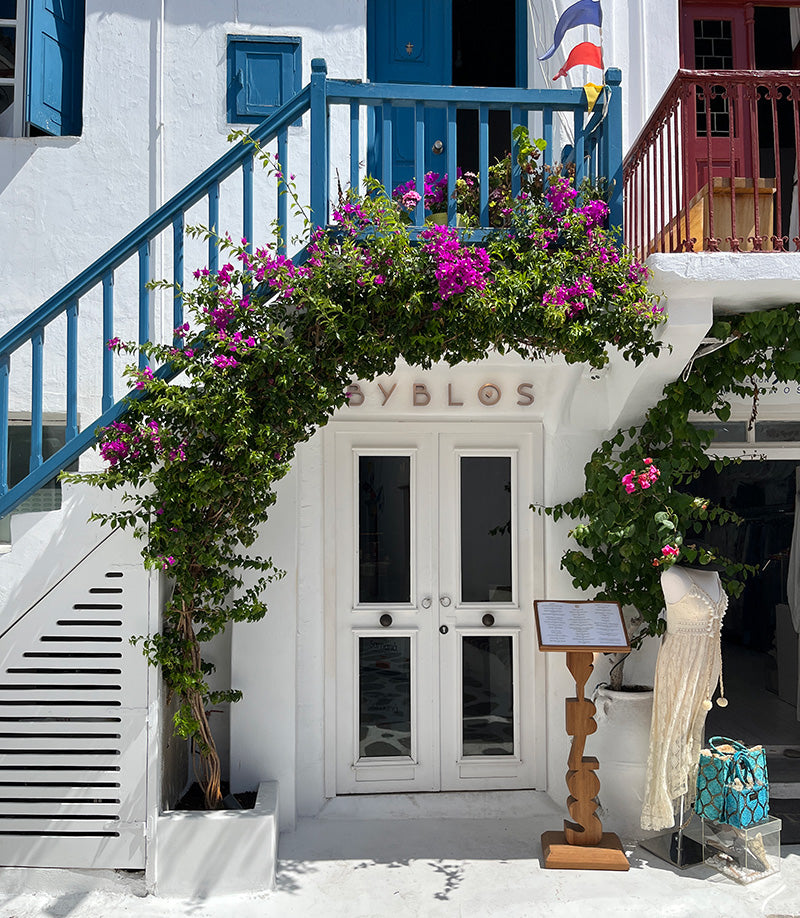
column 688, row 668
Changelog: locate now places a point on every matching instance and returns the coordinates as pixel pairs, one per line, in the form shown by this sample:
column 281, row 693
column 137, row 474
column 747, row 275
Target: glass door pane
column 384, row 529
column 486, row 528
column 487, row 673
column 384, row 678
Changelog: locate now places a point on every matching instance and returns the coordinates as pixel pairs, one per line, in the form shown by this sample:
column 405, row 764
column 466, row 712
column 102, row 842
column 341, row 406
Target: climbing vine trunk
column 211, row 770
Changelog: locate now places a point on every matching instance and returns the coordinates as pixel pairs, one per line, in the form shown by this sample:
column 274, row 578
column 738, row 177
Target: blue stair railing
column 597, row 153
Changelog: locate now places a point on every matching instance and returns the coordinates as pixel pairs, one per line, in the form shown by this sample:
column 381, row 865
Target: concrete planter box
column 203, row 853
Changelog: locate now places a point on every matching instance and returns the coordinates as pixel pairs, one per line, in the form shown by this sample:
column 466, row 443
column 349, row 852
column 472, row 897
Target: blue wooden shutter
column 55, row 65
column 263, row 73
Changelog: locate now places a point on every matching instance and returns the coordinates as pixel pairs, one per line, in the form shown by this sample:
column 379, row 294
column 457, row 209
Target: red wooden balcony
column 716, row 166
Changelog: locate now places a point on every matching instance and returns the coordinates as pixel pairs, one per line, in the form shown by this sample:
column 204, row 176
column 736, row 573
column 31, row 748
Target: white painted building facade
column 154, row 116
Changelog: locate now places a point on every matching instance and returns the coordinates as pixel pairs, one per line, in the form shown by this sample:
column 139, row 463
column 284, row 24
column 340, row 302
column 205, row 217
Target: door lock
column 443, row 629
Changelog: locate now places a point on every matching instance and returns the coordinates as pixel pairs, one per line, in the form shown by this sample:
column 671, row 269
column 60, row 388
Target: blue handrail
column 66, row 300
column 597, row 151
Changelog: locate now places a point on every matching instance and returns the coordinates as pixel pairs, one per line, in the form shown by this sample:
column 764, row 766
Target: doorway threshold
column 443, row 805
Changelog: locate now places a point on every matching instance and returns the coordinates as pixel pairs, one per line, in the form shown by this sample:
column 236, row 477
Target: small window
column 263, row 73
column 728, row 432
column 777, row 431
column 48, row 497
column 41, row 67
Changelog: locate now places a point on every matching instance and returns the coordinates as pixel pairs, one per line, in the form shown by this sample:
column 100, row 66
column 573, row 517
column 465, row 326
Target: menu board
column 596, row 626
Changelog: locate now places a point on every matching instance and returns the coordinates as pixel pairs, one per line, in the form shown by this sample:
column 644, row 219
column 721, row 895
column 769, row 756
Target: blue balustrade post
column 108, row 333
column 612, row 140
column 452, row 168
column 419, row 162
column 72, row 371
column 144, row 300
column 387, row 147
column 247, row 203
column 319, row 142
column 483, row 163
column 213, row 225
column 4, row 368
column 516, row 169
column 580, row 146
column 283, row 192
column 177, row 279
column 548, row 158
column 37, row 386
column 355, row 132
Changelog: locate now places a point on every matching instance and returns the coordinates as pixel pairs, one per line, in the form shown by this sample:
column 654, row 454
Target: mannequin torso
column 677, row 581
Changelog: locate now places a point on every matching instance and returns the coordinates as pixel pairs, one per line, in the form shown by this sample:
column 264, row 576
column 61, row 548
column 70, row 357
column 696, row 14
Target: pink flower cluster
column 561, row 196
column 573, row 298
column 145, row 376
column 669, row 555
column 435, row 192
column 352, row 215
column 457, row 268
column 125, row 442
column 644, row 479
column 596, row 213
column 113, row 451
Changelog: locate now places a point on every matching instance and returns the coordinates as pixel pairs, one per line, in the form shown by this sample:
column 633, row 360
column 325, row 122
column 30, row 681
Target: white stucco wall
column 154, row 116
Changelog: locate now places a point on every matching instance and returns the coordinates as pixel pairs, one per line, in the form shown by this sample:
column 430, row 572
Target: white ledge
column 733, row 281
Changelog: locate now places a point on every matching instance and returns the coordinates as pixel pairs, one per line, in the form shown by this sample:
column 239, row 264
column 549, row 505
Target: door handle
column 438, row 148
column 426, row 602
column 445, row 601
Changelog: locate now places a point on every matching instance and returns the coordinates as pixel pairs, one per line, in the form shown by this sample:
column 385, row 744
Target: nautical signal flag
column 584, row 53
column 584, row 12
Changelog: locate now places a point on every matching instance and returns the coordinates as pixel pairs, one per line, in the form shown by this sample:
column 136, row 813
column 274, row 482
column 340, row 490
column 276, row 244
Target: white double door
column 435, row 654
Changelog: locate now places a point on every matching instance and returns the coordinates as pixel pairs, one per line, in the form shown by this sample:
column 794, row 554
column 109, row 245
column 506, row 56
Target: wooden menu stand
column 582, row 845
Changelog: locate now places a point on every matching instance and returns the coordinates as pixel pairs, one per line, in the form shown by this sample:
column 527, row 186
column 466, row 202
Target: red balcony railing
column 716, row 167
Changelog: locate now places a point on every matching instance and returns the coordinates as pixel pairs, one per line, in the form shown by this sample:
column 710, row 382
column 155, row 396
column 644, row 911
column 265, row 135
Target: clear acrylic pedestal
column 743, row 855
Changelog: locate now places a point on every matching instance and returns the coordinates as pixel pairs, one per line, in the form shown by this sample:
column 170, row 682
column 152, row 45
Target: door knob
column 437, row 148
column 385, row 619
column 445, row 601
column 488, row 619
column 426, row 602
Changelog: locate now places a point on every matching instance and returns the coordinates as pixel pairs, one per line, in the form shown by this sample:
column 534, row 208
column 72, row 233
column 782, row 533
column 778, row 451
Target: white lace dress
column 689, row 665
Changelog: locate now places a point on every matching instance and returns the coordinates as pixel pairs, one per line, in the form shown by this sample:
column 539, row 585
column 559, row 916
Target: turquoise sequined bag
column 732, row 784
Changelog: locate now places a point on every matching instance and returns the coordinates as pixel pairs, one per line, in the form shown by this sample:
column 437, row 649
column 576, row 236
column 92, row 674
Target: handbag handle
column 742, row 768
column 724, row 741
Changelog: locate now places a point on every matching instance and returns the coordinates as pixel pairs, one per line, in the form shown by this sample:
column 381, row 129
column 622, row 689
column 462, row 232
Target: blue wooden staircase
column 333, row 108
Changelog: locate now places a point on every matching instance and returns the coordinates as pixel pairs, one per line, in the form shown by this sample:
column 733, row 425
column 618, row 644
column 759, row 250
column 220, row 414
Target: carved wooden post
column 582, row 779
column 580, row 629
column 582, row 844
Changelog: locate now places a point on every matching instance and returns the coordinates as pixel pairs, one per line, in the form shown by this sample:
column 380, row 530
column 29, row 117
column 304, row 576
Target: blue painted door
column 55, row 65
column 409, row 41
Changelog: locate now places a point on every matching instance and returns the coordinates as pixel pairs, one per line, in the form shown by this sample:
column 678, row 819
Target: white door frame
column 481, row 437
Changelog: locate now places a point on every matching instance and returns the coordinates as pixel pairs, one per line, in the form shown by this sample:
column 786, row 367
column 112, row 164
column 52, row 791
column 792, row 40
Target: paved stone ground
column 343, row 867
